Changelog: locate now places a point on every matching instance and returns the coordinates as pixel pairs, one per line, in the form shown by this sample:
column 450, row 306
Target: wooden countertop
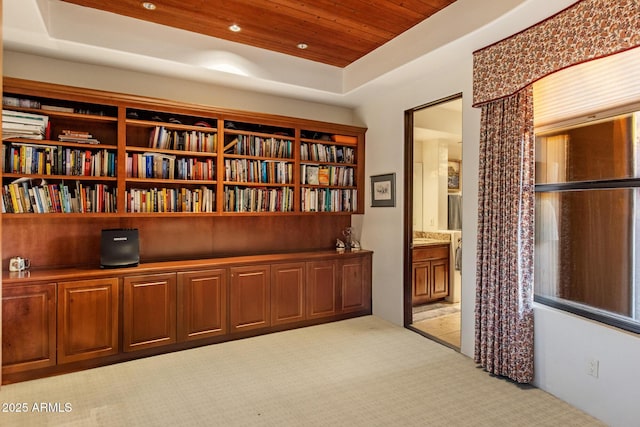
column 58, row 274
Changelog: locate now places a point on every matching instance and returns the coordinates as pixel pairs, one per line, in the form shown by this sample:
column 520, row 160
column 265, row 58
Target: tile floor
column 443, row 327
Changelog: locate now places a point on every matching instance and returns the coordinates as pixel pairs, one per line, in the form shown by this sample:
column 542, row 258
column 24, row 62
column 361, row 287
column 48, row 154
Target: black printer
column 119, row 247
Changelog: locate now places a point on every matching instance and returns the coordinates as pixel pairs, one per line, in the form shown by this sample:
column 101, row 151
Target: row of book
column 197, row 200
column 27, row 158
column 244, row 170
column 326, row 175
column 22, row 196
column 251, row 145
column 19, row 124
column 328, row 200
column 12, row 101
column 327, row 153
column 251, row 199
column 204, row 142
column 164, row 166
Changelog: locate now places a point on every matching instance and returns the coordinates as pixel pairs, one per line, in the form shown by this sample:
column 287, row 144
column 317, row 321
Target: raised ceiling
column 336, row 32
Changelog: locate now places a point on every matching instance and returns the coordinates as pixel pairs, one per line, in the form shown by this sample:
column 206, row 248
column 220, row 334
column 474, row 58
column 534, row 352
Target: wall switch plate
column 592, row 367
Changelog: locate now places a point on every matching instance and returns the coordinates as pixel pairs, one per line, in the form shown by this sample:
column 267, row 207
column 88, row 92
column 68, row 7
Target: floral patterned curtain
column 503, row 74
column 504, row 283
column 587, row 30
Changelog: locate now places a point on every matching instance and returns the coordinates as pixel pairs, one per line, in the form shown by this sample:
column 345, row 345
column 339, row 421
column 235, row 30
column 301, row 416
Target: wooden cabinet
column 149, row 311
column 430, row 269
column 202, row 304
column 167, row 306
column 338, row 286
column 354, row 279
column 250, row 298
column 322, row 297
column 87, row 319
column 28, row 327
column 287, row 293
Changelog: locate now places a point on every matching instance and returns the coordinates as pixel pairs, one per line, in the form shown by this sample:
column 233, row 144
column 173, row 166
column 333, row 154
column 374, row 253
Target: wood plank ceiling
column 336, row 32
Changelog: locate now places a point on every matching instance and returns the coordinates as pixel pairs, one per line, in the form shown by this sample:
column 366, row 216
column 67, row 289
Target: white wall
column 32, row 67
column 445, row 75
column 563, row 342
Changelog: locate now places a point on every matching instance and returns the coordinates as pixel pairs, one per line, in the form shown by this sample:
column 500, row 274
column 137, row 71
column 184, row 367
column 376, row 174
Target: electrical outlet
column 592, row 367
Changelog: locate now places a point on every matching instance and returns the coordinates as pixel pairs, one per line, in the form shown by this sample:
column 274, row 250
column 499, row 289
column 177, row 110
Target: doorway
column 433, row 220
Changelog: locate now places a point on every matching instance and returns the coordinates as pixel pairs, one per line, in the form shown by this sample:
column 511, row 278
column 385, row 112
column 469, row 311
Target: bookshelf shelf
column 59, row 215
column 54, row 143
column 181, row 182
column 181, row 153
column 168, row 125
column 256, row 184
column 59, row 177
column 61, row 114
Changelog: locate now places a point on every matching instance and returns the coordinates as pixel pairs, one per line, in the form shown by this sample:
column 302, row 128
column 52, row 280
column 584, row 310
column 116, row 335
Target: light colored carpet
column 358, row 372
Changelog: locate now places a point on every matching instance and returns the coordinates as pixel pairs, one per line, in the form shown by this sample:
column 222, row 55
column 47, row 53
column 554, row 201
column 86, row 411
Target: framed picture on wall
column 453, row 175
column 383, row 190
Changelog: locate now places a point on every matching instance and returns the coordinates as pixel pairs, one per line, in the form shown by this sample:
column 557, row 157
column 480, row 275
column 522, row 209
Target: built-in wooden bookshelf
column 258, row 168
column 329, row 173
column 171, row 162
column 147, row 156
column 170, row 169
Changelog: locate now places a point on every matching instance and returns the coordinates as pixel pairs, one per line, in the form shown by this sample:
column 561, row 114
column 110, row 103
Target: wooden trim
column 1, row 88
column 407, row 272
column 52, row 90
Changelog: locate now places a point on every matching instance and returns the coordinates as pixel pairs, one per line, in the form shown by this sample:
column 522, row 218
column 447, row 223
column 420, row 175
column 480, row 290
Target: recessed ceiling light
column 235, row 28
column 302, row 45
column 149, row 6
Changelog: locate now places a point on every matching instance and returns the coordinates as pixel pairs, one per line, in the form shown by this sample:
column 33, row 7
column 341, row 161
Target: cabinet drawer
column 433, row 252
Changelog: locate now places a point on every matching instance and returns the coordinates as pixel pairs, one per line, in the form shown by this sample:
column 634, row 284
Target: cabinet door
column 421, row 282
column 87, row 319
column 321, row 289
column 287, row 297
column 28, row 327
column 250, row 298
column 439, row 278
column 149, row 311
column 355, row 292
column 202, row 304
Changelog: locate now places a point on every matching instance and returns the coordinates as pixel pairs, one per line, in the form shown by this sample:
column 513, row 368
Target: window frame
column 590, row 312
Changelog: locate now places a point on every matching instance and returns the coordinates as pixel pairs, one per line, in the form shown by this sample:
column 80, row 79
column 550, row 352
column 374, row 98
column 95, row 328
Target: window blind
column 569, row 96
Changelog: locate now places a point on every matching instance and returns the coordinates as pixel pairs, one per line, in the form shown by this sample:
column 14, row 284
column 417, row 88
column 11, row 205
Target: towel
column 458, row 258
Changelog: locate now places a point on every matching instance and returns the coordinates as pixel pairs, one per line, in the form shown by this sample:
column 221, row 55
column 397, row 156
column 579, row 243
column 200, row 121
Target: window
column 587, row 253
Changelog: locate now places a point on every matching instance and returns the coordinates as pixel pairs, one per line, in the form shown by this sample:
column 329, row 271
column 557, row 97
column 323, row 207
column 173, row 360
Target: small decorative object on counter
column 355, row 245
column 340, row 246
column 347, row 232
column 19, row 264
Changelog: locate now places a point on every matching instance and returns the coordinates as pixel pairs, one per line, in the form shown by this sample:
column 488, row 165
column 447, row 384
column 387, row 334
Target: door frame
column 408, row 204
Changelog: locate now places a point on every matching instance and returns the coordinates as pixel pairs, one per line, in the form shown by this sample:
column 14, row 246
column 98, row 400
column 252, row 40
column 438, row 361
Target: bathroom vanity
column 430, row 270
